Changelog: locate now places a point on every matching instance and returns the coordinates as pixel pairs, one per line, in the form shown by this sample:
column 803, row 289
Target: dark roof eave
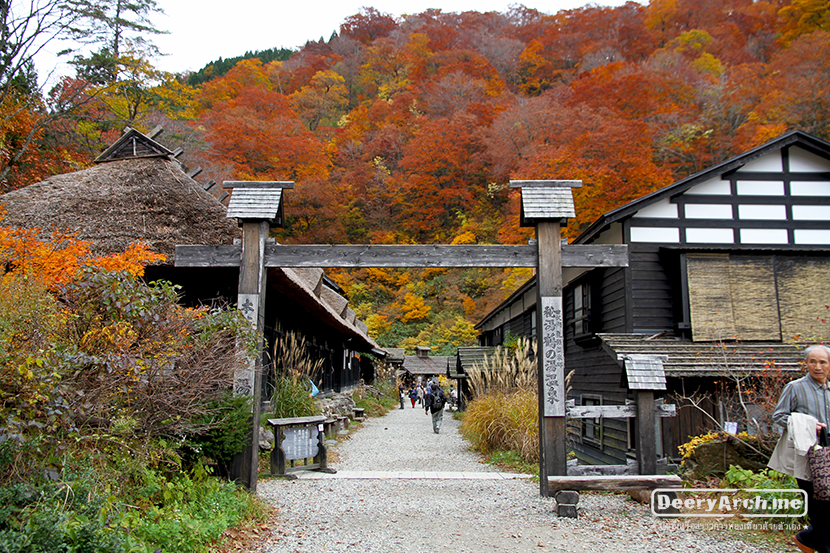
column 521, row 290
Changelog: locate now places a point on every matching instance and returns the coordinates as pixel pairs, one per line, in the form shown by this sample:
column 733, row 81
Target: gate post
column 257, row 205
column 547, row 205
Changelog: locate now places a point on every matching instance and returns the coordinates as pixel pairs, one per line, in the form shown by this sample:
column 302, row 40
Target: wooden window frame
column 582, row 311
column 593, row 425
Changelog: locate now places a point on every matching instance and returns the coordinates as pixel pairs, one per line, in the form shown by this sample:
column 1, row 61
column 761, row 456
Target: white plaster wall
column 710, row 235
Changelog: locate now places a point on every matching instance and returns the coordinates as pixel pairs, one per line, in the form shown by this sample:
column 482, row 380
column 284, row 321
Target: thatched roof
column 146, row 200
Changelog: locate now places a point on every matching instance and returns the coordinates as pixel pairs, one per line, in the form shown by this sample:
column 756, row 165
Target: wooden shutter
column 732, row 297
column 804, row 294
column 710, row 299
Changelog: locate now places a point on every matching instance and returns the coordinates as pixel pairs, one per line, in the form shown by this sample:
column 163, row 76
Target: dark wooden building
column 729, row 270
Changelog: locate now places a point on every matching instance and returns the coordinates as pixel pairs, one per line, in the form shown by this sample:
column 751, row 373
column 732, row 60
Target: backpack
column 438, row 401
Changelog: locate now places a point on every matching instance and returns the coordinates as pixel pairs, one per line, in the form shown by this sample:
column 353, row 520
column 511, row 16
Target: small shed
column 423, row 367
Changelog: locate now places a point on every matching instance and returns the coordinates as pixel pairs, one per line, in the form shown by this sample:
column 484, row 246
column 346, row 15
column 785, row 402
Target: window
column 582, row 310
column 592, row 428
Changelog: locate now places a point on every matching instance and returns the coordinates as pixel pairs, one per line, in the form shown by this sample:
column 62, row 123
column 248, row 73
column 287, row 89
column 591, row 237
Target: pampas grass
column 504, row 412
column 508, row 369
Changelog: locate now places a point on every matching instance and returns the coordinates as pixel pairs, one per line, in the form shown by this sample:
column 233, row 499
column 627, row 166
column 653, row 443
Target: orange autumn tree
column 58, row 260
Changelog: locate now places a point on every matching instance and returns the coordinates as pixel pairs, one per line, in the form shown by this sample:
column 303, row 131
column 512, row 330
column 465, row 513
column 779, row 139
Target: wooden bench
column 330, row 428
column 565, row 489
column 342, row 424
column 295, row 439
column 358, row 413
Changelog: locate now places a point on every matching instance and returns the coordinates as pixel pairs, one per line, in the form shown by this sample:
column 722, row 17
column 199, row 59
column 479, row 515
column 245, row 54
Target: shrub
column 227, row 424
column 712, row 453
column 137, row 357
column 291, row 397
column 737, row 477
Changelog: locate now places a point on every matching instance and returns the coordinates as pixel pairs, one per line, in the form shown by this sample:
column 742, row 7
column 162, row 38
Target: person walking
column 401, row 392
column 421, row 394
column 413, row 395
column 434, row 404
column 803, row 411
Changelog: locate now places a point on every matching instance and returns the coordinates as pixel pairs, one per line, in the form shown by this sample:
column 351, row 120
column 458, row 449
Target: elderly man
column 808, row 396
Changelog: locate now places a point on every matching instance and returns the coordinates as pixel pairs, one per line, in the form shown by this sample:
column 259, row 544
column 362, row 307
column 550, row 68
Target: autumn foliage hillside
column 408, row 129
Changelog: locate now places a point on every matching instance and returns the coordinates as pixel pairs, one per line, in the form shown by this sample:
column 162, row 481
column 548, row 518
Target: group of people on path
column 431, row 396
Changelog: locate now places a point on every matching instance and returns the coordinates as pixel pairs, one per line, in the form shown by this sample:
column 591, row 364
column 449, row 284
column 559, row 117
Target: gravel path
column 458, row 512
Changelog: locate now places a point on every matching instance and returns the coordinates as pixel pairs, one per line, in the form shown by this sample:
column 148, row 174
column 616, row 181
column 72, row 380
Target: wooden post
column 251, row 302
column 550, row 355
column 646, row 435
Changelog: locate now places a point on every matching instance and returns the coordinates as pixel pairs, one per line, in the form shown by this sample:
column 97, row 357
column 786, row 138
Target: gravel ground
column 455, row 514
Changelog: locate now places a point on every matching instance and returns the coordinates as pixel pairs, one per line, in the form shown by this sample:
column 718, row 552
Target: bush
column 85, row 503
column 227, row 424
column 737, row 477
column 186, row 512
column 504, row 421
column 712, row 454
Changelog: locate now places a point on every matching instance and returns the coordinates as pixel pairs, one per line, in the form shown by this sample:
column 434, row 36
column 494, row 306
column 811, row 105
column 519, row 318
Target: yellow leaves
column 382, row 276
column 466, row 237
column 324, row 99
column 707, row 63
column 469, row 305
column 133, row 260
column 55, row 261
column 176, row 99
column 804, row 16
column 377, row 323
column 534, row 67
column 660, row 13
column 117, row 337
column 414, row 308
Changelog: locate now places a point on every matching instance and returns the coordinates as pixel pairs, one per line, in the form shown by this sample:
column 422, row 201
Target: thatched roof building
column 147, row 200
column 139, row 193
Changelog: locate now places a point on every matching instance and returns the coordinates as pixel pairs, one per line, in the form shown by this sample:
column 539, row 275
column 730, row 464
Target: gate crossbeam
column 403, row 256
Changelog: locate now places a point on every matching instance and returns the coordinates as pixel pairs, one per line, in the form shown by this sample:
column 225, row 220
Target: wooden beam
column 208, row 256
column 612, row 483
column 401, row 256
column 616, row 411
column 229, row 184
column 631, row 468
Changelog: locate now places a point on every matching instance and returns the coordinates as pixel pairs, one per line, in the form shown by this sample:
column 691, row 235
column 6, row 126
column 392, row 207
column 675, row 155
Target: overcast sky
column 201, row 31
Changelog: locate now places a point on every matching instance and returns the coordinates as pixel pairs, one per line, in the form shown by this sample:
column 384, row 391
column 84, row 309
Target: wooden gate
column 546, row 205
